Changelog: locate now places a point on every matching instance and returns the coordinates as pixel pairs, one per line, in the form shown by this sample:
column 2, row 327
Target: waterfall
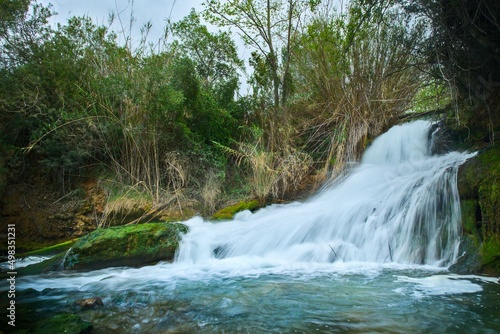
column 399, row 204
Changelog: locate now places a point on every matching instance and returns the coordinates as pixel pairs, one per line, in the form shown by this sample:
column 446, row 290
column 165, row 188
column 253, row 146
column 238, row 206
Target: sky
column 155, row 11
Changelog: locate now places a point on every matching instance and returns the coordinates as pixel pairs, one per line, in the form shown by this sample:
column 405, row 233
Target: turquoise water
column 329, row 298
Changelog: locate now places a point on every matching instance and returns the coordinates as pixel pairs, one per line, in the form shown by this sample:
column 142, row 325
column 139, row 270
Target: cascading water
column 400, row 204
column 365, row 255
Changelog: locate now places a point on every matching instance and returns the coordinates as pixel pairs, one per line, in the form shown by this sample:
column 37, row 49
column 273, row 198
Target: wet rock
column 469, row 261
column 88, row 303
column 52, row 264
column 439, row 138
column 132, row 245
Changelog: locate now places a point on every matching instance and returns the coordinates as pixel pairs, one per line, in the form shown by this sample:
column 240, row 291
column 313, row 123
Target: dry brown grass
column 272, row 173
column 355, row 93
column 211, row 192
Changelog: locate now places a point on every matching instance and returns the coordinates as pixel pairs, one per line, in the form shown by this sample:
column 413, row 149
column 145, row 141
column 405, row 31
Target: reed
column 354, row 92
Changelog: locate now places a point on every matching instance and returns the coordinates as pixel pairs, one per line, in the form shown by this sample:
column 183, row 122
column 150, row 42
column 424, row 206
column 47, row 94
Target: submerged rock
column 133, row 245
column 89, row 302
column 64, row 323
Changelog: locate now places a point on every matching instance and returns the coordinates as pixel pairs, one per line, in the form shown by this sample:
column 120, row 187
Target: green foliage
column 322, row 85
column 74, row 97
column 269, row 27
column 214, row 54
column 462, row 47
column 11, row 12
column 431, row 96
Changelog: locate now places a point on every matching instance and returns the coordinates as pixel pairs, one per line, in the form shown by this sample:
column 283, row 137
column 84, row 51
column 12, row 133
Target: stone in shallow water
column 89, row 302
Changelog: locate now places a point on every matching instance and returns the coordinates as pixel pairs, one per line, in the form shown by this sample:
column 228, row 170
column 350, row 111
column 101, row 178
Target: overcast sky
column 156, row 11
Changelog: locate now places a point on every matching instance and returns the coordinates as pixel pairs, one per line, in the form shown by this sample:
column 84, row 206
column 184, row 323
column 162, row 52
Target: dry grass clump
column 273, row 173
column 358, row 88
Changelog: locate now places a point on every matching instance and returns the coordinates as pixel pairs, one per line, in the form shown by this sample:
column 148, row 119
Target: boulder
column 88, row 303
column 132, row 245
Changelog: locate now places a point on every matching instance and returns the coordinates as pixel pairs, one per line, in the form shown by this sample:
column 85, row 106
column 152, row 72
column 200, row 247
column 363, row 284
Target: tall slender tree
column 269, row 26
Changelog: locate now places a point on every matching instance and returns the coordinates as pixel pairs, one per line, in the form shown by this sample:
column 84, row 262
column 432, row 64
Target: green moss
column 230, row 211
column 489, row 189
column 63, row 323
column 490, row 250
column 132, row 245
column 54, row 249
column 479, row 186
column 469, row 221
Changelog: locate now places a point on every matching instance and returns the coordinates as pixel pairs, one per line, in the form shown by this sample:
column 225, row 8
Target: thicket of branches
column 463, row 49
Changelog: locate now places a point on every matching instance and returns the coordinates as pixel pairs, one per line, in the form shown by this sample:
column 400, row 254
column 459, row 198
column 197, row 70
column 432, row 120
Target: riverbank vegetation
column 164, row 130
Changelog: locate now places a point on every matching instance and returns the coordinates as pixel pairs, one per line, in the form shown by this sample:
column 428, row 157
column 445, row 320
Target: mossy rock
column 63, row 323
column 490, row 253
column 132, row 245
column 479, row 188
column 52, row 264
column 470, row 212
column 49, row 250
column 229, row 211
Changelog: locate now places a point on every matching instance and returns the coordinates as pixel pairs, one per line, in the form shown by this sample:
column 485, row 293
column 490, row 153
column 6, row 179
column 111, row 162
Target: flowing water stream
column 367, row 254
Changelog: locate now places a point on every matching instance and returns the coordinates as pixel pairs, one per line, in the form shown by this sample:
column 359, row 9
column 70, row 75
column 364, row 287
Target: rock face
column 44, row 216
column 479, row 187
column 133, row 245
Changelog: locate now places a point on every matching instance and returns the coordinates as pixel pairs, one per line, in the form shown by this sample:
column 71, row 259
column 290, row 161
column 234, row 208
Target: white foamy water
column 399, row 205
column 24, row 262
column 438, row 285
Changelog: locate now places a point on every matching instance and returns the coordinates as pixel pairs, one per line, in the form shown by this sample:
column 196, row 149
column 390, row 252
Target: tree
column 22, row 31
column 462, row 46
column 11, row 13
column 270, row 26
column 464, row 40
column 214, row 54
